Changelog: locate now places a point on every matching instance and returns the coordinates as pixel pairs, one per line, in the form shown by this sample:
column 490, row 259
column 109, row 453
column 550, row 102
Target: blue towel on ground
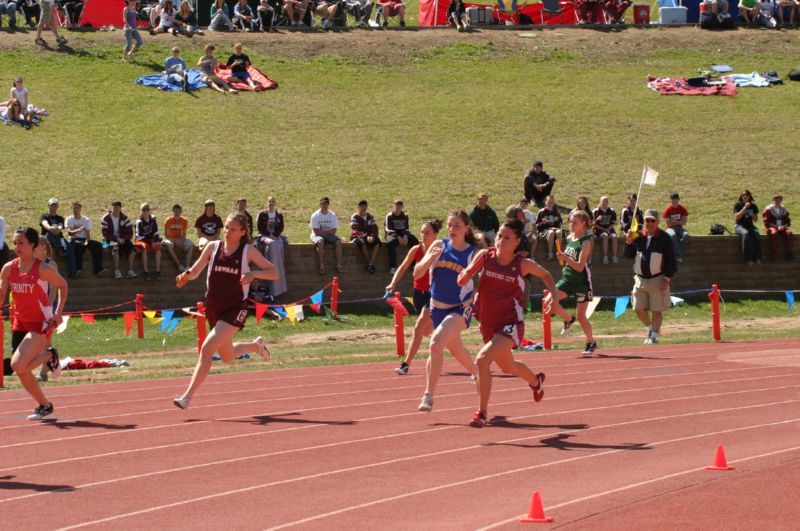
column 160, row 81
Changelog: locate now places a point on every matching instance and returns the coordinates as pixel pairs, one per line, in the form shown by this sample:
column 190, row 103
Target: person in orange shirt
column 175, row 229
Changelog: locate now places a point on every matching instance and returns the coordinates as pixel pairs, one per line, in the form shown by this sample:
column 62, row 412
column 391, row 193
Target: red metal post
column 140, row 315
column 335, row 297
column 399, row 333
column 201, row 325
column 714, row 298
column 547, row 337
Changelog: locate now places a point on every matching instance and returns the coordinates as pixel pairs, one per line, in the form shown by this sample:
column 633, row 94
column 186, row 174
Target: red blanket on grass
column 258, row 77
column 679, row 85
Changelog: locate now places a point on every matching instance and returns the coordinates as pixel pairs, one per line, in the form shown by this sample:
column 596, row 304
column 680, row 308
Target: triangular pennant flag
column 316, row 307
column 291, row 313
column 261, row 309
column 409, row 300
column 166, row 315
column 129, row 317
column 592, row 306
column 63, row 325
column 173, row 324
column 649, row 175
column 88, row 317
column 676, row 301
column 280, row 311
column 621, row 305
column 317, row 298
column 298, row 312
column 790, row 299
column 151, row 316
column 328, row 314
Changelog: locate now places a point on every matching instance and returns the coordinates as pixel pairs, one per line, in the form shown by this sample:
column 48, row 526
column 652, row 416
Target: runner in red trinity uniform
column 228, row 280
column 32, row 316
column 499, row 308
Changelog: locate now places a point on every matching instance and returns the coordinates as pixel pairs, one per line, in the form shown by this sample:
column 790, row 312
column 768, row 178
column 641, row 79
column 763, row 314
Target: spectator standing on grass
column 130, row 31
column 241, row 208
column 364, row 233
column 397, row 232
column 208, row 224
column 52, row 224
column 272, row 242
column 176, row 228
column 79, row 229
column 324, row 224
column 778, row 223
column 208, row 66
column 485, row 221
column 653, row 268
column 47, row 18
column 220, row 16
column 548, row 225
column 538, row 184
column 675, row 216
column 148, row 241
column 117, row 231
column 626, row 216
column 746, row 212
column 238, row 62
column 605, row 218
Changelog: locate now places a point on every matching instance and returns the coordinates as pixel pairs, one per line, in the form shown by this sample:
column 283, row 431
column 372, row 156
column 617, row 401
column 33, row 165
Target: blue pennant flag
column 173, row 324
column 790, row 299
column 166, row 316
column 280, row 310
column 621, row 305
column 317, row 298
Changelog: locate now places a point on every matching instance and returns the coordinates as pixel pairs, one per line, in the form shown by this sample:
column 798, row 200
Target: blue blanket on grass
column 160, row 81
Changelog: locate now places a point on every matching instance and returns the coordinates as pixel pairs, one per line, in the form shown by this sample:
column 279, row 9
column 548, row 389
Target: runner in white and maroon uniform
column 228, row 278
column 32, row 317
column 499, row 308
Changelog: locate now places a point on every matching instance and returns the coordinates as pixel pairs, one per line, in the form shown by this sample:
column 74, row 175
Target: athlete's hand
column 58, row 319
column 182, row 279
column 247, row 278
column 561, row 256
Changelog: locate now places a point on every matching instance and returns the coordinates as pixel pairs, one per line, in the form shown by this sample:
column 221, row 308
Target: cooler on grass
column 671, row 13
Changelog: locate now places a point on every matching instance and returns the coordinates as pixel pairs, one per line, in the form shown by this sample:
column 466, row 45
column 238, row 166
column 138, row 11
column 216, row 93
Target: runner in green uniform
column 576, row 278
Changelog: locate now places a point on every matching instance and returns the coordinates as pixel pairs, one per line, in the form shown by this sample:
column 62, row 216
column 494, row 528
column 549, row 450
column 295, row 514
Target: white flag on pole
column 649, row 175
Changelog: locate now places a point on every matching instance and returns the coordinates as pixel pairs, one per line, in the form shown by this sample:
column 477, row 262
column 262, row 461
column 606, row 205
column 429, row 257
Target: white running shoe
column 426, row 404
column 181, row 402
column 263, row 351
column 41, row 412
column 132, row 274
column 117, row 274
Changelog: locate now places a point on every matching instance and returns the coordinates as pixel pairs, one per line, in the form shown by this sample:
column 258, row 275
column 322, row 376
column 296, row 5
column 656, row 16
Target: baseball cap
column 209, row 202
column 538, row 163
column 675, row 196
column 52, row 201
column 117, row 203
column 651, row 214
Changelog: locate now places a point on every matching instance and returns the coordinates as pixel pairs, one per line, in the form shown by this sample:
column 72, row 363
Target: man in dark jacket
column 654, row 266
column 484, row 218
column 538, row 184
column 118, row 233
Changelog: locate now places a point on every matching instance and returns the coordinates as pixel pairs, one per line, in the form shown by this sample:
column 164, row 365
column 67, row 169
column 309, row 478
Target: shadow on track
column 561, row 442
column 70, row 424
column 5, row 484
column 264, row 420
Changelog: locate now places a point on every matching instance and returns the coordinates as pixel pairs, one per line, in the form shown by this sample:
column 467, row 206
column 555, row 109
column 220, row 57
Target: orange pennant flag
column 130, row 317
column 88, row 317
column 261, row 309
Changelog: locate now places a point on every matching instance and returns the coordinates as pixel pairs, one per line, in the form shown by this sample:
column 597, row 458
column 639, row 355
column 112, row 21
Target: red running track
column 619, row 442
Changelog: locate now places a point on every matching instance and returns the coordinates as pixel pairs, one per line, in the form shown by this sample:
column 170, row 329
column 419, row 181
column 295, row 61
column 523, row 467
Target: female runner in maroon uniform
column 227, row 281
column 422, row 291
column 32, row 317
column 499, row 308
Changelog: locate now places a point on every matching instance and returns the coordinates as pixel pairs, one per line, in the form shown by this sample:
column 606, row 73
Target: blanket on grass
column 161, row 83
column 193, row 76
column 259, row 78
column 723, row 86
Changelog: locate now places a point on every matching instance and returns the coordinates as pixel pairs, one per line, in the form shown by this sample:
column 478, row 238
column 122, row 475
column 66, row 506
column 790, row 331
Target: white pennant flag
column 63, row 325
column 649, row 175
column 592, row 306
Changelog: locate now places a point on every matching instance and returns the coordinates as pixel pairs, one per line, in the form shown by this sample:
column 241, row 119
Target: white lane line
column 634, row 486
column 443, row 486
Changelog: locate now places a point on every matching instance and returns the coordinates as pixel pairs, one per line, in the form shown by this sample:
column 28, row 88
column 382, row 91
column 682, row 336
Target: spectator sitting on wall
column 272, row 241
column 79, row 230
column 323, row 231
column 626, row 216
column 675, row 216
column 605, row 218
column 745, row 211
column 176, row 229
column 118, row 234
column 778, row 223
column 538, row 184
column 186, row 21
column 148, row 241
column 241, row 208
column 397, row 231
column 364, row 233
column 52, row 225
column 583, row 204
column 208, row 224
column 548, row 225
column 485, row 221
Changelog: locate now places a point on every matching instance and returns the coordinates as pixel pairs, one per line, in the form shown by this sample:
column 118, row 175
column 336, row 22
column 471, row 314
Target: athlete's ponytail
column 516, row 225
column 31, row 234
column 435, row 225
column 244, row 223
column 469, row 237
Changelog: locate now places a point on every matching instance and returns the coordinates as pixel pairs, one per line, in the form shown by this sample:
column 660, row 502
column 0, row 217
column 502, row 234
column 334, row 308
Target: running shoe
column 402, row 369
column 53, row 363
column 132, row 274
column 181, row 402
column 426, row 404
column 41, row 412
column 478, row 420
column 538, row 390
column 588, row 352
column 567, row 325
column 652, row 338
column 117, row 274
column 263, row 351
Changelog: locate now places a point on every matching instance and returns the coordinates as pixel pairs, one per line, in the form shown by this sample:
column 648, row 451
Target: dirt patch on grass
column 396, row 46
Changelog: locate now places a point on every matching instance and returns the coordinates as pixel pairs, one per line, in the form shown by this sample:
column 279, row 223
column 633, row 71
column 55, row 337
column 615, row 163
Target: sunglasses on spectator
column 145, row 210
column 651, row 220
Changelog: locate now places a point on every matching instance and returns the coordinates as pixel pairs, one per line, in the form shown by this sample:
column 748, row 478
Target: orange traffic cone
column 536, row 512
column 720, row 463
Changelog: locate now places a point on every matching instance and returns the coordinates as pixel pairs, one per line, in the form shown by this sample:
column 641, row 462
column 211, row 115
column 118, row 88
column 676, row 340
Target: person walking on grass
column 228, row 281
column 576, row 278
column 47, row 18
column 451, row 304
column 131, row 33
column 32, row 317
column 499, row 308
column 422, row 291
